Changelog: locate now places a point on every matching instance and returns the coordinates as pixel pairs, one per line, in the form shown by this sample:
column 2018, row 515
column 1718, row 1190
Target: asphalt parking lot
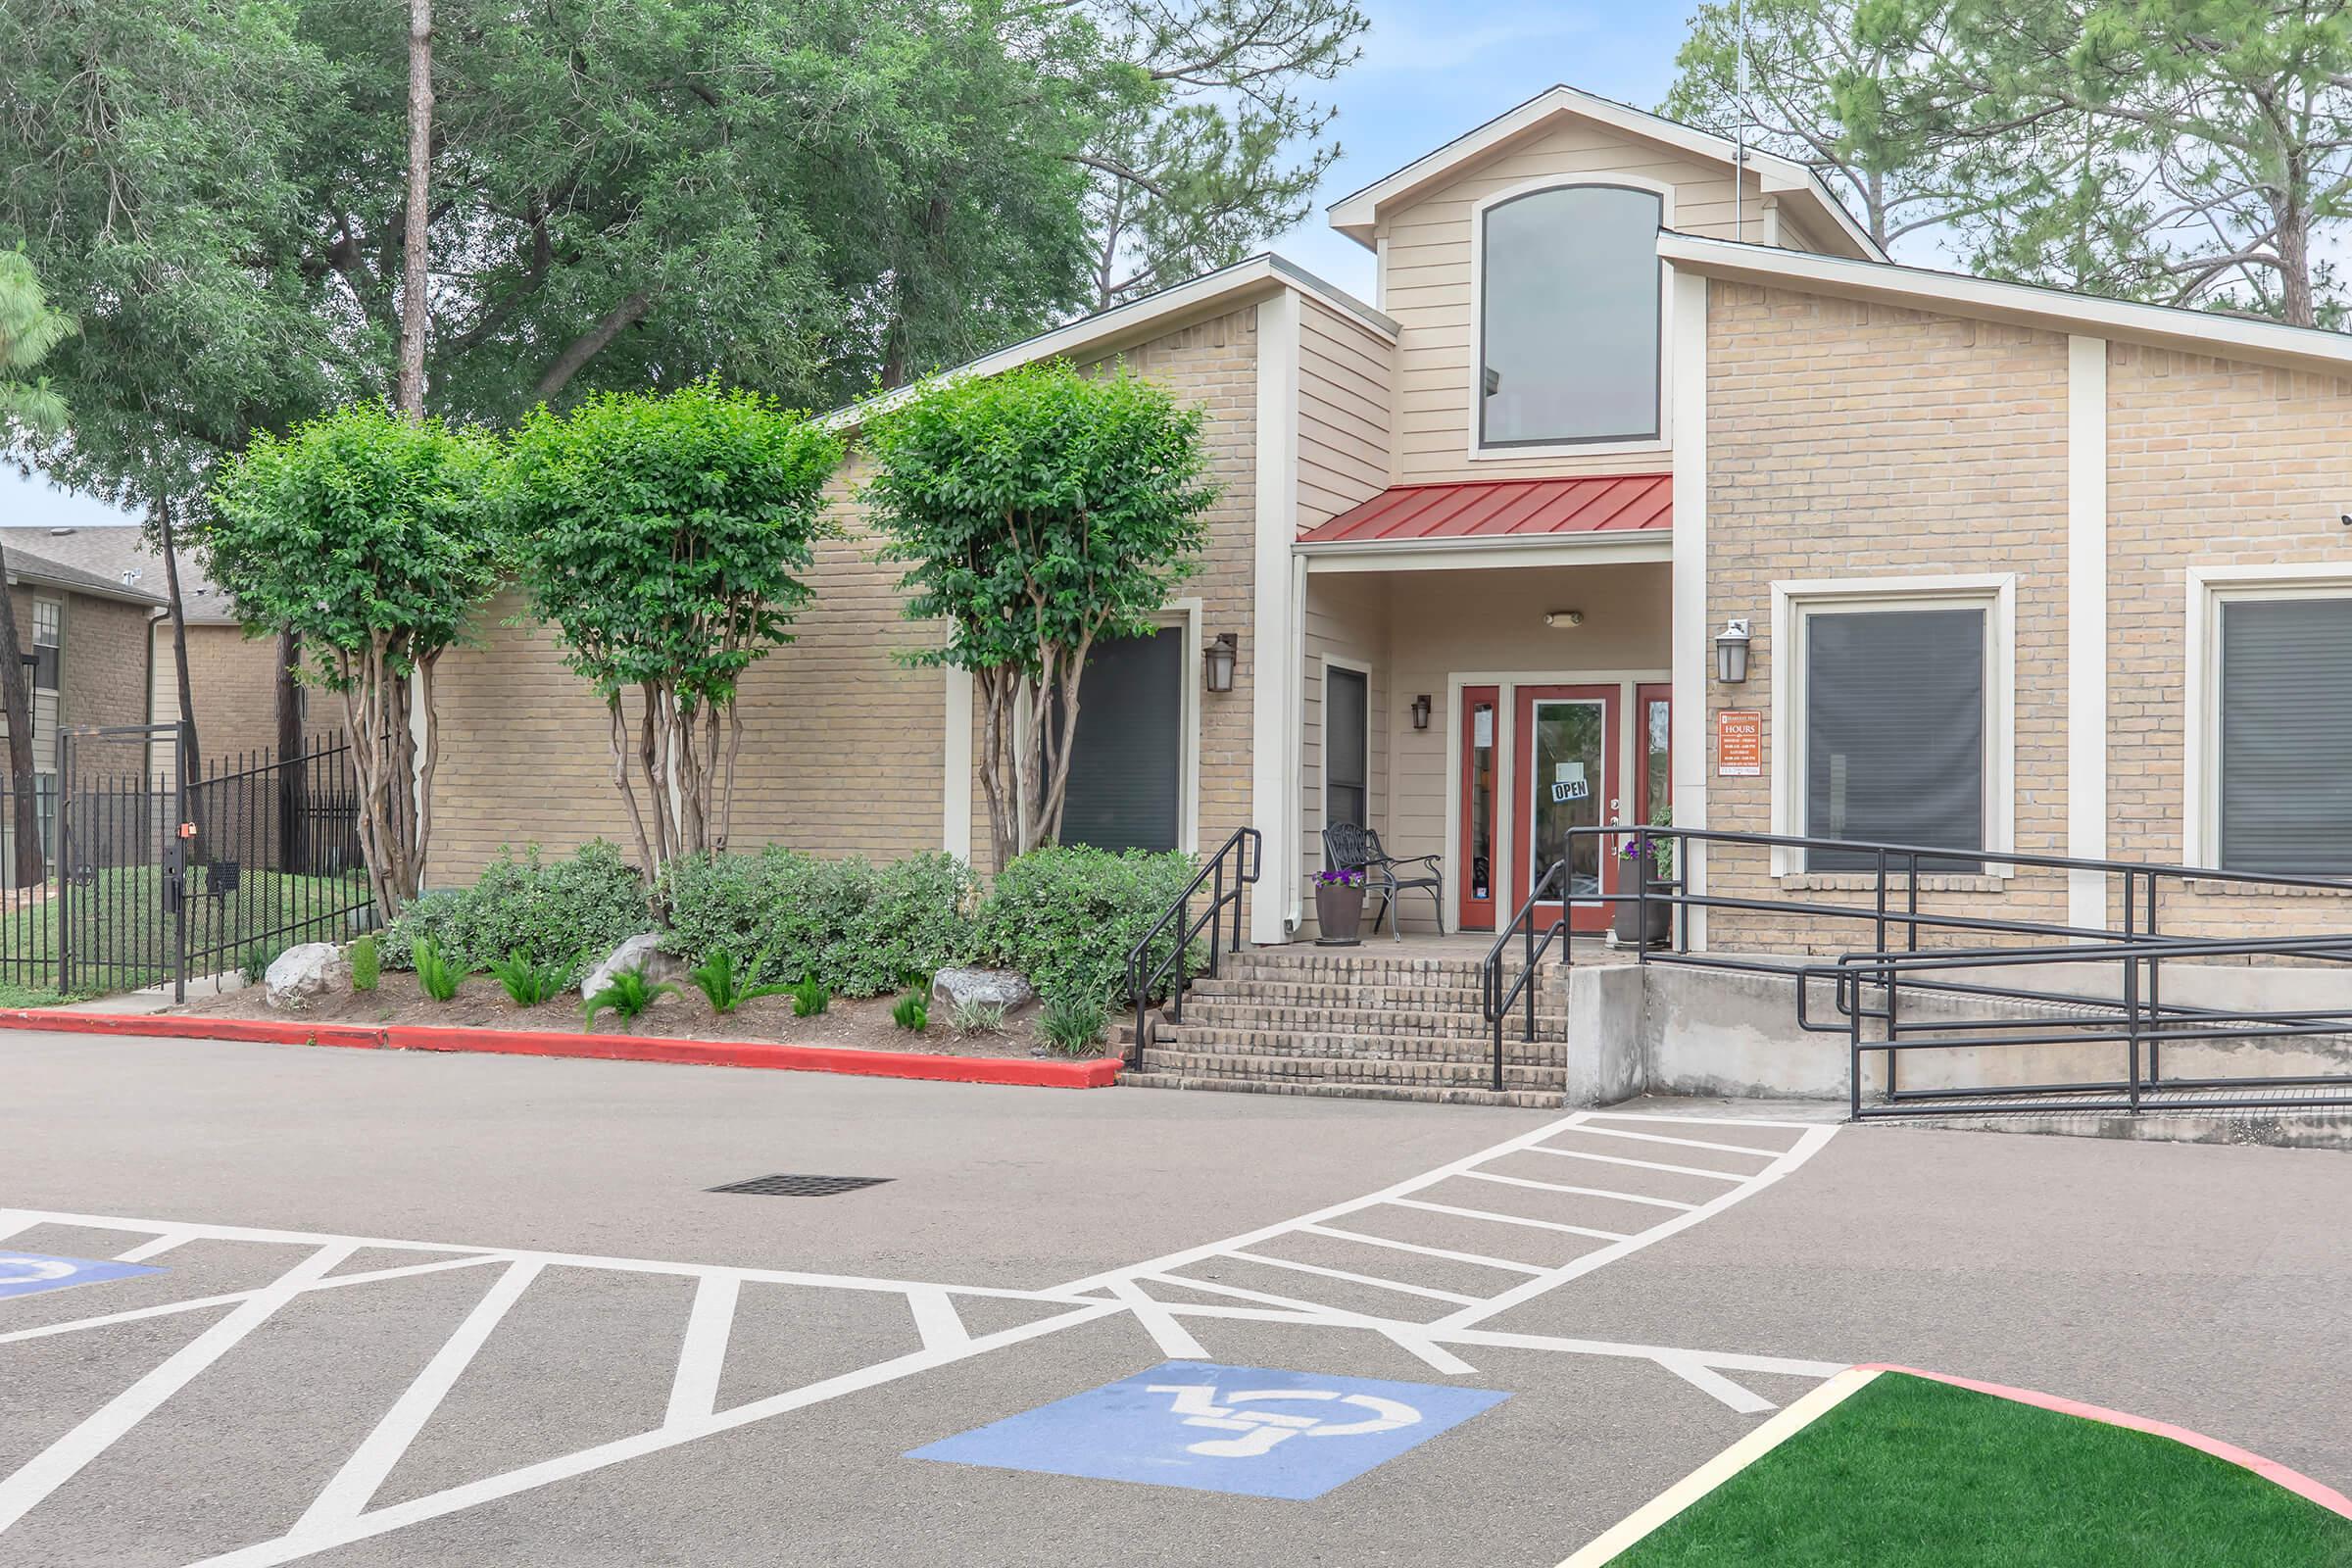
column 407, row 1308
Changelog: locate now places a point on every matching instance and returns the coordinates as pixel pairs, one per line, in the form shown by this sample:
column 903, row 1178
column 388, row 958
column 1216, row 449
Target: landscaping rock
column 301, row 975
column 1001, row 988
column 640, row 951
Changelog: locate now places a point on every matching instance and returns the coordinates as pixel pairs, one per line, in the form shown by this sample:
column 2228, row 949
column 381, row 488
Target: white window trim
column 1664, row 440
column 2208, row 589
column 1329, row 662
column 57, row 609
column 1994, row 593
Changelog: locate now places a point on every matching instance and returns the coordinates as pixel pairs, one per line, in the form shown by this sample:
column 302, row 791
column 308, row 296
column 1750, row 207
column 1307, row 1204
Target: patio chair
column 1352, row 848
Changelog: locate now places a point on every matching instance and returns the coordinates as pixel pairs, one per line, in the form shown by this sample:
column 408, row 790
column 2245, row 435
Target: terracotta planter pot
column 1339, row 913
column 1626, row 919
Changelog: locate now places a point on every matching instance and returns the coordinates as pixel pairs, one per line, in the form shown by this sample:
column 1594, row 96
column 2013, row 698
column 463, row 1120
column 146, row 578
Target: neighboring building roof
column 1355, row 215
column 1148, row 316
column 1494, row 510
column 114, row 561
column 2054, row 310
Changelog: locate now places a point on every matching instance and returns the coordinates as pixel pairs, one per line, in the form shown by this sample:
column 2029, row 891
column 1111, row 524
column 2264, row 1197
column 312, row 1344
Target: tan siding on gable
column 1345, row 395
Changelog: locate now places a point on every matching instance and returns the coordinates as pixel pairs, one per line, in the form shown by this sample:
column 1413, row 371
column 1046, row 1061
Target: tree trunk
column 293, row 788
column 414, row 305
column 2294, row 265
column 188, row 755
column 16, row 699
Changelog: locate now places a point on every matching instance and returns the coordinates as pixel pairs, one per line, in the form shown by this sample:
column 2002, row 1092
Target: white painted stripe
column 168, row 1308
column 1720, row 1361
column 154, row 1248
column 1479, row 1258
column 1805, row 1149
column 303, row 1543
column 1438, row 1358
column 1686, row 1142
column 703, row 1351
column 1703, row 1121
column 1172, row 1337
column 1314, row 1311
column 1499, row 1219
column 1547, row 1186
column 1161, row 1266
column 1373, row 1280
column 1639, row 1165
column 1801, row 1414
column 937, row 1321
column 1713, row 1383
column 347, row 1495
column 63, row 1459
column 13, row 1221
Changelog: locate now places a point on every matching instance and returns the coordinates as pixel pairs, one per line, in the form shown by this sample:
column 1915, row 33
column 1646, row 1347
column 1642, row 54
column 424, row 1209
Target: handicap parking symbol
column 30, row 1273
column 1250, row 1429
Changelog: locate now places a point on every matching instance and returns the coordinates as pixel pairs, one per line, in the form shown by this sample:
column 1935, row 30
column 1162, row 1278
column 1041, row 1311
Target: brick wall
column 1859, row 440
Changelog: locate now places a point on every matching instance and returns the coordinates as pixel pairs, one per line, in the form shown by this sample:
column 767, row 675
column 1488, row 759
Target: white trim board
column 1692, row 652
column 1620, row 546
column 1277, row 623
column 2086, row 651
column 1995, row 593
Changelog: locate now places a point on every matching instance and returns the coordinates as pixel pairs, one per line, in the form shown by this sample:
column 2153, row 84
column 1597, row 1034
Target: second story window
column 48, row 620
column 1570, row 290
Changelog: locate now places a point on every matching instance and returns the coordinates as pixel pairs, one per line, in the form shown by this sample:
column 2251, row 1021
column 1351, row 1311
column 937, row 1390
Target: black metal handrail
column 1246, row 849
column 1493, row 998
column 1895, row 964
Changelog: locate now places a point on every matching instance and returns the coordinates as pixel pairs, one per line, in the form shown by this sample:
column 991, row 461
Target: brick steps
column 1522, row 1099
column 1260, row 1018
column 1389, row 1045
column 1189, row 1062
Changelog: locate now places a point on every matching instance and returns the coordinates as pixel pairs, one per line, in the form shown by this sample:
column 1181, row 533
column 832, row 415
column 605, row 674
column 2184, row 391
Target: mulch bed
column 863, row 1024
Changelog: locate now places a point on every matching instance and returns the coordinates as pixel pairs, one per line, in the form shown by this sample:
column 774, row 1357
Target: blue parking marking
column 31, row 1273
column 1252, row 1430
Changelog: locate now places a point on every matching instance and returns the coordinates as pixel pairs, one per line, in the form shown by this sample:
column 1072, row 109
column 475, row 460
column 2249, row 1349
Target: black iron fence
column 1962, row 1011
column 154, row 872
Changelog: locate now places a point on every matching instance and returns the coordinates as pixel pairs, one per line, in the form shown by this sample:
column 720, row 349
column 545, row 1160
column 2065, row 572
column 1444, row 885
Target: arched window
column 1571, row 289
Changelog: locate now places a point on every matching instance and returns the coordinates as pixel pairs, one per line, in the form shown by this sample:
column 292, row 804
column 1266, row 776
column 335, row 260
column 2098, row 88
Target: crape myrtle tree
column 366, row 534
column 667, row 537
column 1037, row 512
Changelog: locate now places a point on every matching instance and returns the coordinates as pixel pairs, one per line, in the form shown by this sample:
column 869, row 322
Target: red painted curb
column 2271, row 1470
column 1026, row 1072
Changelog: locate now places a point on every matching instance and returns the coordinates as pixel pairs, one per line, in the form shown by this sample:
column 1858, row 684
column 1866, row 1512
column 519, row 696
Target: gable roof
column 1137, row 319
column 2055, row 310
column 1355, row 215
column 54, row 560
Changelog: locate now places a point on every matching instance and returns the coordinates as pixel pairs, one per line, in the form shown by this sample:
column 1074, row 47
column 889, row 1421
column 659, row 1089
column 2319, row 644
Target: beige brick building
column 2013, row 572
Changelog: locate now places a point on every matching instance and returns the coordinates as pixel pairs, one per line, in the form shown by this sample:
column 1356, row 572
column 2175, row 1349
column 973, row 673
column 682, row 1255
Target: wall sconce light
column 1217, row 660
column 1557, row 618
column 1731, row 651
column 1421, row 712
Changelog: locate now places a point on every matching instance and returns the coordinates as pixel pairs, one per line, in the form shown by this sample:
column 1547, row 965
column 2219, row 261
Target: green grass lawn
column 1911, row 1473
column 122, row 940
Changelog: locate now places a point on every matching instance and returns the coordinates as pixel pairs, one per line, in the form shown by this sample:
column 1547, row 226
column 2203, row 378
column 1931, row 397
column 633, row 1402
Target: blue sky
column 1430, row 72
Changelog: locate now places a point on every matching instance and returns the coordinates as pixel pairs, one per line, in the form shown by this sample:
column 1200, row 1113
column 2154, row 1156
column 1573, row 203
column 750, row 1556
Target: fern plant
column 1072, row 1022
column 366, row 963
column 528, row 984
column 810, row 995
column 913, row 1011
column 437, row 974
column 629, row 994
column 724, row 990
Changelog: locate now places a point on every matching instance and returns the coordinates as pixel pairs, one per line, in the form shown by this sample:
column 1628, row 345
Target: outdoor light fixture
column 1731, row 651
column 1217, row 661
column 1563, row 618
column 1421, row 712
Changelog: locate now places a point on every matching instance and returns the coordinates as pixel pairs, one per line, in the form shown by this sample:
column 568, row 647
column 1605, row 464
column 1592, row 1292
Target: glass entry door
column 1565, row 774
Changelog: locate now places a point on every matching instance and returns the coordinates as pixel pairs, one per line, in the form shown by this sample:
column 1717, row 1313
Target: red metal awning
column 1498, row 508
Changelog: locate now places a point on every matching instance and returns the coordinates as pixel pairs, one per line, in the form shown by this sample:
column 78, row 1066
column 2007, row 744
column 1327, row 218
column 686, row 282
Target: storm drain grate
column 800, row 1186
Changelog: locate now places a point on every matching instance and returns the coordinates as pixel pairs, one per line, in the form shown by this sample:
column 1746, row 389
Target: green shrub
column 913, row 1011
column 1071, row 1022
column 629, row 994
column 809, row 995
column 437, row 974
column 724, row 989
column 858, row 927
column 528, row 984
column 550, row 912
column 1067, row 918
column 366, row 963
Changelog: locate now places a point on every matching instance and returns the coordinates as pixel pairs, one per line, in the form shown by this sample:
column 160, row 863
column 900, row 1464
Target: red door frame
column 1581, row 917
column 1476, row 913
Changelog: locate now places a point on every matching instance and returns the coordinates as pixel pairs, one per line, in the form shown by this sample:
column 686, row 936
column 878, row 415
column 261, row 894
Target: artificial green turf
column 1912, row 1473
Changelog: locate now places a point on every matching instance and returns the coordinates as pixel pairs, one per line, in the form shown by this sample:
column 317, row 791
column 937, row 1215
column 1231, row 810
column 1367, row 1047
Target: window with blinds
column 2286, row 740
column 1126, row 785
column 1347, row 746
column 48, row 639
column 1894, row 733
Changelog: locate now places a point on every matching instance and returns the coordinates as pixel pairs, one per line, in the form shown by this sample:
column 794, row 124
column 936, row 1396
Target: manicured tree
column 366, row 534
column 666, row 538
column 1036, row 511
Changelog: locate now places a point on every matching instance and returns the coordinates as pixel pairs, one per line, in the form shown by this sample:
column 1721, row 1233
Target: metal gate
column 165, row 869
